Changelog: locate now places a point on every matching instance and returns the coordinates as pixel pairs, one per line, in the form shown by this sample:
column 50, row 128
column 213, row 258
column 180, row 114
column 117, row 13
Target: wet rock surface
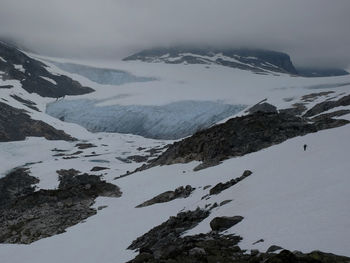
column 180, row 192
column 28, row 215
column 240, row 136
column 16, row 125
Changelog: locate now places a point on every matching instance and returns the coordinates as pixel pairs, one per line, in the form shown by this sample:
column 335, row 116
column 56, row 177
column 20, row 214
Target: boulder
column 224, row 222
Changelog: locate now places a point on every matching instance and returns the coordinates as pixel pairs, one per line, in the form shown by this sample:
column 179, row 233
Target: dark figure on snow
column 305, row 146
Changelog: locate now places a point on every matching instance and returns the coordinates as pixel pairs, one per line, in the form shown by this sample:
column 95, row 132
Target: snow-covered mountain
column 258, row 61
column 79, row 199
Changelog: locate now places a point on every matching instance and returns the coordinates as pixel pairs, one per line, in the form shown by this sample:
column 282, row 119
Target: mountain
column 258, row 61
column 33, row 75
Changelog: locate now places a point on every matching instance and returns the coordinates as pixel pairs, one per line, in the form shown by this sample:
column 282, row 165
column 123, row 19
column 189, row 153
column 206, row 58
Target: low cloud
column 313, row 32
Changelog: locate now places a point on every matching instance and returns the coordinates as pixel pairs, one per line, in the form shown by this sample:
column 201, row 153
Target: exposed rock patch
column 83, row 146
column 30, row 104
column 327, row 105
column 6, row 86
column 98, row 168
column 16, row 125
column 333, row 114
column 223, row 186
column 224, row 222
column 158, row 240
column 29, row 216
column 180, row 192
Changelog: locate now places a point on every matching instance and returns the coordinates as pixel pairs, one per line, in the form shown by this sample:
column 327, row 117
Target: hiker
column 305, row 146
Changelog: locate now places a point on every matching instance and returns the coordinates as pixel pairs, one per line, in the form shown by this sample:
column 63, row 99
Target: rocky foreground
column 27, row 215
column 165, row 244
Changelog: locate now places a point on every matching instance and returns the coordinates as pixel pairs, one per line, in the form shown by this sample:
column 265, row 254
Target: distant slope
column 321, row 72
column 33, row 75
column 258, row 61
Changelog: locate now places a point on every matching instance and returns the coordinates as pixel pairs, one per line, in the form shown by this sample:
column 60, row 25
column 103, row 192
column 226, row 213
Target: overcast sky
column 313, row 32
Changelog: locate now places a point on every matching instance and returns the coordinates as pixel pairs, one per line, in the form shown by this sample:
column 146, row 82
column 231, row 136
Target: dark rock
column 27, row 103
column 224, row 222
column 83, row 146
column 273, row 248
column 98, row 168
column 180, row 192
column 225, row 202
column 16, row 125
column 263, row 107
column 138, row 158
column 164, row 235
column 16, row 184
column 6, row 86
column 223, row 186
column 259, row 241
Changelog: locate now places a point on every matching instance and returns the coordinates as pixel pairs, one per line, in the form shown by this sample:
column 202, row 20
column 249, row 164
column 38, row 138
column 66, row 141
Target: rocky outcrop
column 223, row 186
column 224, row 222
column 180, row 192
column 16, row 184
column 16, row 125
column 240, row 136
column 34, row 76
column 27, row 215
column 327, row 105
column 159, row 240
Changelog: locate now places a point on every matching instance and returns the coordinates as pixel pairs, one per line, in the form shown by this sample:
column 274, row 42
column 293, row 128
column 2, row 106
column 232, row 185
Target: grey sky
column 312, row 31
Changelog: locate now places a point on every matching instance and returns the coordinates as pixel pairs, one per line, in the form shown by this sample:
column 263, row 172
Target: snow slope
column 294, row 199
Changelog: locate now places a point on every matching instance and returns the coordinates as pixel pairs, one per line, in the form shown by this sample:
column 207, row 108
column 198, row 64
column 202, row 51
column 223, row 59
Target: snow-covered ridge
column 258, row 61
column 170, row 121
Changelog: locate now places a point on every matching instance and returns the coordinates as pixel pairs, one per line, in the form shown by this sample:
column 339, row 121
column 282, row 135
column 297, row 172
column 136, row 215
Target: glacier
column 103, row 76
column 171, row 121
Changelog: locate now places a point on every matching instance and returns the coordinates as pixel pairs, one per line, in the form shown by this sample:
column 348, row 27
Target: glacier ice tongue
column 170, row 121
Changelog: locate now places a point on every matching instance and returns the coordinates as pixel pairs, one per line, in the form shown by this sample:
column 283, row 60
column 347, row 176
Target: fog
column 313, row 32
